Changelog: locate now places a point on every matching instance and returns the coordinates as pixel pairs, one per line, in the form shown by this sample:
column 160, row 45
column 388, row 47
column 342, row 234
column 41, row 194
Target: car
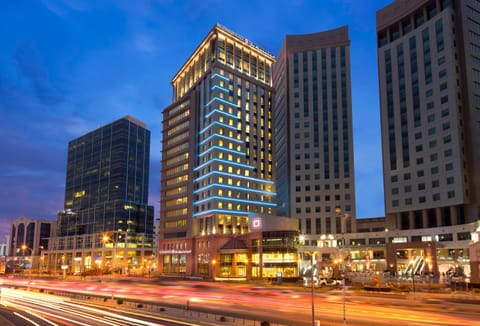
column 329, row 281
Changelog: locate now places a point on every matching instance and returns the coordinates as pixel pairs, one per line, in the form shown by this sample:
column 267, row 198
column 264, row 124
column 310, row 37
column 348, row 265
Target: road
column 22, row 307
column 282, row 305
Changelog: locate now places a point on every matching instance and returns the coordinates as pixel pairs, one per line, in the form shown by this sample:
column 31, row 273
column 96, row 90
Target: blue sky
column 70, row 66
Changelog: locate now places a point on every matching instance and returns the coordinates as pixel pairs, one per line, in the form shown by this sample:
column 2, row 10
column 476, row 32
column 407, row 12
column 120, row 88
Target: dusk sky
column 70, row 66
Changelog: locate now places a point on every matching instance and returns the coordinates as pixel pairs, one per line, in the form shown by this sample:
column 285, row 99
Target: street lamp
column 343, row 220
column 412, row 262
column 214, row 262
column 312, row 254
column 25, row 247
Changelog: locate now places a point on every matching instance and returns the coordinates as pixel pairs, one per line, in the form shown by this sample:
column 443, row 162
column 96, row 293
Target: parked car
column 329, row 281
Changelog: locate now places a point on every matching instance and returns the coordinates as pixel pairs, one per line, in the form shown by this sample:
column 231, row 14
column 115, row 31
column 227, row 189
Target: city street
column 243, row 303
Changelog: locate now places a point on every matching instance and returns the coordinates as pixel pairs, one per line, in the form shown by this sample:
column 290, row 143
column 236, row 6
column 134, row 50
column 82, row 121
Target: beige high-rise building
column 217, row 150
column 429, row 75
column 313, row 132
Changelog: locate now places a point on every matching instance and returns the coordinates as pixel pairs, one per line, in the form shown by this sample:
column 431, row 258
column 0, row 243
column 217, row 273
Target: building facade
column 428, row 56
column 106, row 224
column 217, row 150
column 428, row 59
column 28, row 242
column 313, row 132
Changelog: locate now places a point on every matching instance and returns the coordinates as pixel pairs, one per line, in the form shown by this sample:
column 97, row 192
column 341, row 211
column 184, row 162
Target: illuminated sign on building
column 256, row 223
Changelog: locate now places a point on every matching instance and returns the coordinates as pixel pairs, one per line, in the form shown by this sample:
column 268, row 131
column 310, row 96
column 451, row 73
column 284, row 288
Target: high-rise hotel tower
column 313, row 132
column 217, row 151
column 429, row 73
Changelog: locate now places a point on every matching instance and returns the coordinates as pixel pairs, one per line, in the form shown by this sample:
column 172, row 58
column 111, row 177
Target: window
column 464, row 236
column 445, row 237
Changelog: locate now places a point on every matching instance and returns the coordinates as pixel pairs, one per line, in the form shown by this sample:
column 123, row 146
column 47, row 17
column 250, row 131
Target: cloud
column 61, row 7
column 144, row 43
column 29, row 61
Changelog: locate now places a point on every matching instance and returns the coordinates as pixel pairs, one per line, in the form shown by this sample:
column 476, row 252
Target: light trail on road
column 58, row 311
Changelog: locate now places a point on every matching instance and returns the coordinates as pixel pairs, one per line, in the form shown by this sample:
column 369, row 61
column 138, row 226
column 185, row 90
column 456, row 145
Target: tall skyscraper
column 429, row 72
column 106, row 199
column 217, row 152
column 313, row 132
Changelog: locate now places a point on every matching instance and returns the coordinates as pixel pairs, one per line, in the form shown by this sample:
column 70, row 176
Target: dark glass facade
column 107, row 181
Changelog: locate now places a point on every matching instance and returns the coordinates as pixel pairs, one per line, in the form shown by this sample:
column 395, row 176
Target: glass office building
column 107, row 223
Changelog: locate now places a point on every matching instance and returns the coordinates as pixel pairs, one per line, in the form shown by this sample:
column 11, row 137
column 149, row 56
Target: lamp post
column 412, row 262
column 312, row 254
column 343, row 220
column 25, row 247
